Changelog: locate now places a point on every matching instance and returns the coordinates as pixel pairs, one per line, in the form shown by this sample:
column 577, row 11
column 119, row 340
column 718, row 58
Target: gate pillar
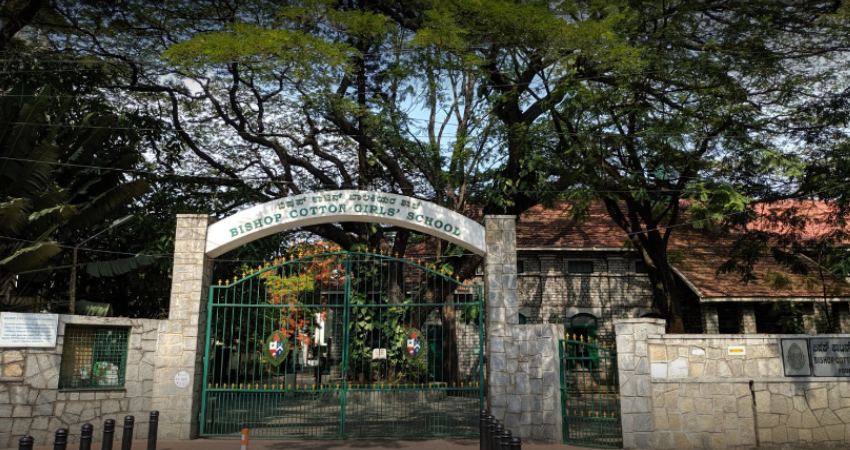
column 502, row 306
column 179, row 354
column 635, row 378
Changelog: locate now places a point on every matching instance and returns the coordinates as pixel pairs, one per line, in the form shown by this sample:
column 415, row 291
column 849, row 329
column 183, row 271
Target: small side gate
column 343, row 344
column 590, row 394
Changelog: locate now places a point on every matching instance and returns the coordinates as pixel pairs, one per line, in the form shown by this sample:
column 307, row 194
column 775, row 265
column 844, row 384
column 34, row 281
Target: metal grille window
column 93, row 357
column 580, row 267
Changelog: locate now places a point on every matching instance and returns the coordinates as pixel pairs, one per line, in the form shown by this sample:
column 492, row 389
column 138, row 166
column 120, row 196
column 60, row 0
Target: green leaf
column 104, row 205
column 53, row 215
column 115, row 267
column 31, row 257
column 247, row 43
column 13, row 215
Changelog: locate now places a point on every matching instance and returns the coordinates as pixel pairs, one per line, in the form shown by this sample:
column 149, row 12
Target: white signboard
column 379, row 353
column 28, row 330
column 344, row 206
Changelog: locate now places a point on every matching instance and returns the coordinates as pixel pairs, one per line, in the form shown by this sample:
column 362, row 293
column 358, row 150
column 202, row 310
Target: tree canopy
column 492, row 106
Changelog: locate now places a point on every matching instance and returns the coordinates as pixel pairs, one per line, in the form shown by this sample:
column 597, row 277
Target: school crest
column 414, row 345
column 277, row 348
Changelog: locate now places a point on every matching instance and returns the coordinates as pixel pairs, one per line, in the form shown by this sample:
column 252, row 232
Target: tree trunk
column 667, row 295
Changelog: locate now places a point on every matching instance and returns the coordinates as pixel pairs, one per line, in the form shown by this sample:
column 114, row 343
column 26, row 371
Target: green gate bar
column 339, row 344
column 590, row 394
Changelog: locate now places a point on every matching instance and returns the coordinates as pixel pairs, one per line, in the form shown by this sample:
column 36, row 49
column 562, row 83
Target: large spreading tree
column 493, row 104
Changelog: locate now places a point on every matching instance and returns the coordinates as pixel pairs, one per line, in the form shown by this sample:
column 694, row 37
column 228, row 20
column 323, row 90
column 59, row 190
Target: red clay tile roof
column 819, row 218
column 556, row 227
column 696, row 255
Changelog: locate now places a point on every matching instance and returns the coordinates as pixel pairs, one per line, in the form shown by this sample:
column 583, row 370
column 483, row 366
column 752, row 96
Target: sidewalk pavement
column 380, row 444
column 260, row 444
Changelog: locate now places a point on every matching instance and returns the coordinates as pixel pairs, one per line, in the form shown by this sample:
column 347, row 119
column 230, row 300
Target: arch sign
column 344, row 206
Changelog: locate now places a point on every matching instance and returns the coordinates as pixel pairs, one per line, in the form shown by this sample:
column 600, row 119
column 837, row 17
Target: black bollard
column 505, row 440
column 152, row 428
column 497, row 433
column 491, row 428
column 127, row 437
column 25, row 443
column 516, row 444
column 108, row 434
column 482, row 429
column 60, row 441
column 85, row 436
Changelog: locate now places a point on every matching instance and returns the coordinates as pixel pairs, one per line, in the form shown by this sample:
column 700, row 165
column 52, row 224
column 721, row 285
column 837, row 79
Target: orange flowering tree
column 296, row 287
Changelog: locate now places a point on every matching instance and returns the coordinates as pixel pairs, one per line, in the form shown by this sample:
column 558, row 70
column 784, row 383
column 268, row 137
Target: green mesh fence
column 343, row 344
column 590, row 394
column 93, row 357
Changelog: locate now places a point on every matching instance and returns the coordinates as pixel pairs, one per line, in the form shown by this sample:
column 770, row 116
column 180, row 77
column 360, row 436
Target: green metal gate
column 590, row 394
column 339, row 344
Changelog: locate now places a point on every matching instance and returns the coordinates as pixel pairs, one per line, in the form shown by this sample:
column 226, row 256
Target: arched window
column 583, row 324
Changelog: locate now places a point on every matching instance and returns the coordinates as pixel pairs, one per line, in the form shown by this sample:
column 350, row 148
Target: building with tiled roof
column 583, row 272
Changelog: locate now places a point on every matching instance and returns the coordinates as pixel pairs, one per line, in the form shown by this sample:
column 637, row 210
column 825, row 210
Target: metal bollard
column 60, row 440
column 516, row 444
column 482, row 429
column 491, row 428
column 152, row 429
column 127, row 437
column 108, row 434
column 85, row 436
column 25, row 443
column 497, row 433
column 505, row 440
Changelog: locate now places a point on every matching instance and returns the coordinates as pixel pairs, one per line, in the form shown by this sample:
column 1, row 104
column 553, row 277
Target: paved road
column 379, row 444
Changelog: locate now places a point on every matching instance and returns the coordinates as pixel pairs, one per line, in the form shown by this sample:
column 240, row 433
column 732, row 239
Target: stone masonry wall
column 701, row 396
column 31, row 402
column 549, row 294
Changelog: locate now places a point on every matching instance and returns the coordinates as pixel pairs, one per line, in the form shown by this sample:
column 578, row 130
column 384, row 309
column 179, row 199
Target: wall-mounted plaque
column 181, row 379
column 830, row 357
column 736, row 350
column 28, row 330
column 795, row 357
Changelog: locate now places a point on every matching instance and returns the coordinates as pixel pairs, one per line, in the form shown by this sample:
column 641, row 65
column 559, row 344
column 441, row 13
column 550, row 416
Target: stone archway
column 176, row 392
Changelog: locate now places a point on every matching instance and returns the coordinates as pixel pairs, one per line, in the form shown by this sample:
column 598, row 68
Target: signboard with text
column 830, row 357
column 28, row 330
column 819, row 357
column 344, row 206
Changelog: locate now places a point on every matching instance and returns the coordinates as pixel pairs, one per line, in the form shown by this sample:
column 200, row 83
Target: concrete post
column 179, row 352
column 748, row 319
column 635, row 378
column 710, row 319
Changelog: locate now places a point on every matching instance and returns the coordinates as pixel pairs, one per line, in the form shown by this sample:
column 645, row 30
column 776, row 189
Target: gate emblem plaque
column 413, row 344
column 278, row 348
